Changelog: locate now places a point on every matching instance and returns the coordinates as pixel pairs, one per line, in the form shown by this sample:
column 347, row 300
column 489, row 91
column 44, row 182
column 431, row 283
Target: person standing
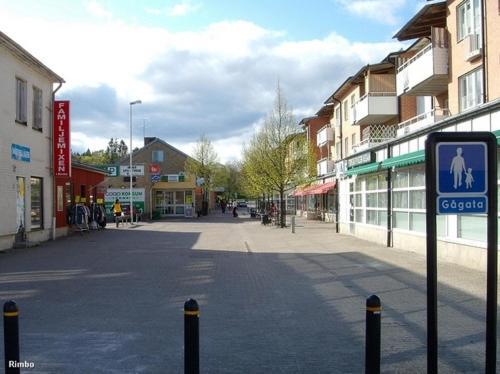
column 117, row 211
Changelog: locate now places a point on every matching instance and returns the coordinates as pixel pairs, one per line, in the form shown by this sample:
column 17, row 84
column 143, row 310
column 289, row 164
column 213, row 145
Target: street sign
column 462, row 177
column 155, row 178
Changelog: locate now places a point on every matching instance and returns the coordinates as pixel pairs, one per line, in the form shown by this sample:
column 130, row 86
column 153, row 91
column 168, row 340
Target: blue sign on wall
column 462, row 177
column 20, row 153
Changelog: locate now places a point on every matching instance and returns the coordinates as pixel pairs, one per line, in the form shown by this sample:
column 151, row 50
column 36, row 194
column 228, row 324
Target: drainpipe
column 51, row 152
column 337, row 180
column 484, row 54
column 389, row 201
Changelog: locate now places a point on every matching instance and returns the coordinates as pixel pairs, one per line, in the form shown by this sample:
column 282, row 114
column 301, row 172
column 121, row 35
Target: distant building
column 26, row 167
column 161, row 186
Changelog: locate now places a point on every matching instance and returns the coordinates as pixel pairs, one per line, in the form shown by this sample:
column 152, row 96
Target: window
column 37, row 109
column 21, row 100
column 469, row 18
column 353, row 141
column 346, row 112
column 337, row 151
column 36, row 203
column 346, row 147
column 337, row 116
column 157, row 156
column 471, row 89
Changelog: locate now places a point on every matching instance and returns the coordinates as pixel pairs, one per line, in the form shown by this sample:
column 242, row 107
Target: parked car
column 242, row 204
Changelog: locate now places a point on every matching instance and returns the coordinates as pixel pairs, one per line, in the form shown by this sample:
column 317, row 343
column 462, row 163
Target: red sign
column 62, row 150
column 154, row 169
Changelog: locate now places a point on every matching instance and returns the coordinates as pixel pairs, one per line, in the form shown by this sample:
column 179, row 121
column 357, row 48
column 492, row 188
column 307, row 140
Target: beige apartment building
column 447, row 79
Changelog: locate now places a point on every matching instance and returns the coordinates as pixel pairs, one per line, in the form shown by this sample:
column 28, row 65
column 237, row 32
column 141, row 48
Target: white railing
column 421, row 121
column 474, row 44
column 325, row 166
column 323, row 136
column 367, row 143
column 415, row 58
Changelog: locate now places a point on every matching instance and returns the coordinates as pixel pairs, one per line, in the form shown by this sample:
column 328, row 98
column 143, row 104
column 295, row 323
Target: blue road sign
column 155, row 178
column 461, row 177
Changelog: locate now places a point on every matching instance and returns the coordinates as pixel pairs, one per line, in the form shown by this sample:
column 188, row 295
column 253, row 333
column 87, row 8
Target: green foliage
column 114, row 152
column 203, row 162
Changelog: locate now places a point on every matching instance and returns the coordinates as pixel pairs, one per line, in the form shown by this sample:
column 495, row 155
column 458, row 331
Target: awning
column 497, row 134
column 404, row 160
column 323, row 188
column 363, row 169
column 304, row 190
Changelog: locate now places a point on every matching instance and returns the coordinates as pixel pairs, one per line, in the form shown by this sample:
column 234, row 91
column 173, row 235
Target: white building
column 26, row 182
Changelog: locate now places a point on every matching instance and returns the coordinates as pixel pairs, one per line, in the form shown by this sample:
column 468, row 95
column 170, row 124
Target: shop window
column 400, row 179
column 400, row 199
column 472, row 227
column 400, row 220
column 36, row 202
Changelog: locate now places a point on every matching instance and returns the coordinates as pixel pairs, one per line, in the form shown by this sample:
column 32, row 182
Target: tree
column 203, row 165
column 277, row 157
column 114, row 152
column 229, row 177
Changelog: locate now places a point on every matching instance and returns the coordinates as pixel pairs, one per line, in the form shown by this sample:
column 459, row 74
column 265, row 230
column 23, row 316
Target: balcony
column 324, row 136
column 421, row 121
column 425, row 74
column 325, row 166
column 367, row 144
column 375, row 107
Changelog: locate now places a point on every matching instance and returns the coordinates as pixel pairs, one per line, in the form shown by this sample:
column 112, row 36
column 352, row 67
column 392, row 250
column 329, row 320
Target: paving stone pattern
column 271, row 301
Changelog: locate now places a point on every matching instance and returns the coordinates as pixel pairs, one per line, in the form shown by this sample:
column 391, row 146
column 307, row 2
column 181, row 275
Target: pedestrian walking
column 117, row 211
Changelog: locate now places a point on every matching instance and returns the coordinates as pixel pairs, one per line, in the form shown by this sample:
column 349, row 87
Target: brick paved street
column 271, row 301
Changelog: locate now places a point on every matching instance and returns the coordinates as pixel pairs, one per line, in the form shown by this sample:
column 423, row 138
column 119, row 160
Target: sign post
column 461, row 178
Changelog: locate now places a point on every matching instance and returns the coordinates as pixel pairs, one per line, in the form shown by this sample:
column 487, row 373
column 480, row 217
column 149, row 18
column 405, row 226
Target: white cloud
column 382, row 11
column 97, row 10
column 219, row 81
column 182, row 9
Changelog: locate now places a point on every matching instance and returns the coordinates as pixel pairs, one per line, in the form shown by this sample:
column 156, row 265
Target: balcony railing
column 422, row 120
column 325, row 166
column 324, row 136
column 367, row 143
column 426, row 73
column 374, row 106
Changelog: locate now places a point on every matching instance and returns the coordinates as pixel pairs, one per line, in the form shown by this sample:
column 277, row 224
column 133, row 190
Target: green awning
column 363, row 169
column 497, row 134
column 404, row 160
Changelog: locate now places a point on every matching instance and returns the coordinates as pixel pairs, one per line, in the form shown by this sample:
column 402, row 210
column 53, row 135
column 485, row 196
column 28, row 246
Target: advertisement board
column 123, row 194
column 137, row 170
column 62, row 141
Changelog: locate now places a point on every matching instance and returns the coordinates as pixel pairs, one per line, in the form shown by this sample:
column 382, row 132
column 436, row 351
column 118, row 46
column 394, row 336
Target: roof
column 342, row 87
column 381, row 67
column 88, row 167
column 157, row 140
column 28, row 58
column 325, row 110
column 431, row 15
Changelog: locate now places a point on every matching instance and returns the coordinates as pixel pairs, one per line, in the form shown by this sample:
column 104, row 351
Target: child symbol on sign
column 468, row 178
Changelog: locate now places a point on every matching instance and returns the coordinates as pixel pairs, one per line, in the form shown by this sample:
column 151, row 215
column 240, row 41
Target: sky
column 200, row 67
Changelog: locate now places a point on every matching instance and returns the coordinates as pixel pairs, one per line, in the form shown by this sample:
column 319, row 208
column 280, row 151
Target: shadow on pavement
column 112, row 302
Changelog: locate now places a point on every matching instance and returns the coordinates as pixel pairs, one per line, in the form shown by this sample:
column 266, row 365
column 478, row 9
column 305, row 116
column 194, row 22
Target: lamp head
column 136, row 102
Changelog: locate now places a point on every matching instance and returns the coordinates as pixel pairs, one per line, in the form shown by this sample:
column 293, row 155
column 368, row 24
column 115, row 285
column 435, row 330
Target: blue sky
column 199, row 66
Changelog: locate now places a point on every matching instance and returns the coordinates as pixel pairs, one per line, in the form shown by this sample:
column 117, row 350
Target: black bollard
column 372, row 349
column 191, row 337
column 11, row 337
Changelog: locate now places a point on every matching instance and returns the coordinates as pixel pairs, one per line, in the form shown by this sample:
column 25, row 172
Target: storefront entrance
column 174, row 203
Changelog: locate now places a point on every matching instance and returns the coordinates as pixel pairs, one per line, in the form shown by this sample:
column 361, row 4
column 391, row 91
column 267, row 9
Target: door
column 20, row 204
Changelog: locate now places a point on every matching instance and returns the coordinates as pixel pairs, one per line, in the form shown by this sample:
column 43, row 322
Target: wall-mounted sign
column 154, row 169
column 20, row 153
column 123, row 195
column 364, row 158
column 137, row 170
column 62, row 150
column 113, row 170
column 155, row 178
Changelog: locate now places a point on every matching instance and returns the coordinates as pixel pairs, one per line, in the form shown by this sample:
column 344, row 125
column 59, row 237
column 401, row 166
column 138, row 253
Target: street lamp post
column 130, row 165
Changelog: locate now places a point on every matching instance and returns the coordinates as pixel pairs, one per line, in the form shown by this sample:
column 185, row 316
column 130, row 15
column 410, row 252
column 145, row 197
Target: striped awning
column 363, row 169
column 404, row 160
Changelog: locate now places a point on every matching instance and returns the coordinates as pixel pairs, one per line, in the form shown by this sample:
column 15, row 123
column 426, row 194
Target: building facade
column 26, row 101
column 159, row 177
column 446, row 80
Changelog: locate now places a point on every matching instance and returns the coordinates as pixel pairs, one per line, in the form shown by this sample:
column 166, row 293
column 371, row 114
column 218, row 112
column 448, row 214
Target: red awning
column 304, row 191
column 324, row 188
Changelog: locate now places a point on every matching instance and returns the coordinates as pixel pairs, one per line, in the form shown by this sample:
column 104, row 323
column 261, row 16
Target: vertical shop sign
column 62, row 152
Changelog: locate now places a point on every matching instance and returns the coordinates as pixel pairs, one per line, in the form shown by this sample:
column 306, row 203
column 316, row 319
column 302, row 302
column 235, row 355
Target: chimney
column 149, row 139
